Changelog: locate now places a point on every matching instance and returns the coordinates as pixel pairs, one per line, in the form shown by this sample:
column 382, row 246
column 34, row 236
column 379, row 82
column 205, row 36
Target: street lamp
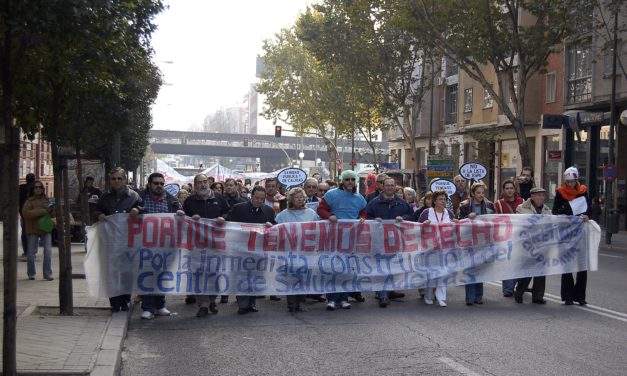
column 301, row 156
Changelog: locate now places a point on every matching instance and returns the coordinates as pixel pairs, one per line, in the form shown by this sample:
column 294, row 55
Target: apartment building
column 36, row 158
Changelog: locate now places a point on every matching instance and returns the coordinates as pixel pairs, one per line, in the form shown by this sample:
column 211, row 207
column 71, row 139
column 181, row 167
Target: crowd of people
column 269, row 203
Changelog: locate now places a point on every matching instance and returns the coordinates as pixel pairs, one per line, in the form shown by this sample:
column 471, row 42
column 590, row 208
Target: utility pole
column 609, row 199
column 353, row 162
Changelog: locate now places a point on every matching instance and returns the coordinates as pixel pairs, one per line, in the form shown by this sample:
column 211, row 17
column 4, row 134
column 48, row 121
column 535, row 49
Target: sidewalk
column 88, row 343
column 619, row 242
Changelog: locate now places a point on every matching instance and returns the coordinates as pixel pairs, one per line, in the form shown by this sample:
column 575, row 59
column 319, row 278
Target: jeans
column 474, row 292
column 337, row 297
column 33, row 245
column 508, row 286
column 153, row 303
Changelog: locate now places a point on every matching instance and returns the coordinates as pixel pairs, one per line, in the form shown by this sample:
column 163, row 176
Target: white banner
column 168, row 254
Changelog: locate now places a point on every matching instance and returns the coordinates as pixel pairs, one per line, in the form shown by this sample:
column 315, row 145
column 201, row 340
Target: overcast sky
column 206, row 50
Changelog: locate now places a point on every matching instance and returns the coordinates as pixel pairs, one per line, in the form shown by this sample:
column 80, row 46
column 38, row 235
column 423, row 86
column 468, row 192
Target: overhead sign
column 440, row 167
column 172, row 189
column 291, row 177
column 554, row 155
column 443, row 185
column 473, row 171
column 609, row 172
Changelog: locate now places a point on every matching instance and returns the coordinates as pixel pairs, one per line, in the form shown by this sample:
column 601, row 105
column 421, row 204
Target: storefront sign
column 609, row 172
column 440, row 167
column 473, row 171
column 554, row 155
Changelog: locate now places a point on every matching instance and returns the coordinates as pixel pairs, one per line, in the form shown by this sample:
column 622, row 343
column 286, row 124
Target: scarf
column 570, row 193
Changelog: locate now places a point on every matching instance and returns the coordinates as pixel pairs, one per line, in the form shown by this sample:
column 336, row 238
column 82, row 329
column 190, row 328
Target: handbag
column 45, row 224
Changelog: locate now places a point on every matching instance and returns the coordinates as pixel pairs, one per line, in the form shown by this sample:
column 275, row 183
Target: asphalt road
column 407, row 338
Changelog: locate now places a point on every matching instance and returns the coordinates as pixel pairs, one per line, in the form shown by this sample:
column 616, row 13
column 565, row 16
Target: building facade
column 36, row 158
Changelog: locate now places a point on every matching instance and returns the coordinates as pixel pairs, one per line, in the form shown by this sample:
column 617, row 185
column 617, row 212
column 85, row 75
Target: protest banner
column 169, row 254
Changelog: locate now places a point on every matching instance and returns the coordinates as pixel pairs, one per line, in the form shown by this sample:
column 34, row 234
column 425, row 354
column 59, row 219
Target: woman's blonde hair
column 290, row 195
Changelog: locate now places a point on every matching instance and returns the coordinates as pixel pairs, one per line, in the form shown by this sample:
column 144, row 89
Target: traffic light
column 277, row 131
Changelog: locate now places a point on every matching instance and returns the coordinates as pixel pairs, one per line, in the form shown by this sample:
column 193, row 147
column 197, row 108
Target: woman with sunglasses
column 343, row 202
column 35, row 209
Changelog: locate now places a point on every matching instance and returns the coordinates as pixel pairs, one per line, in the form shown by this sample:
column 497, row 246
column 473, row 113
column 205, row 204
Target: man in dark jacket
column 156, row 200
column 252, row 211
column 380, row 181
column 119, row 199
column 204, row 203
column 388, row 206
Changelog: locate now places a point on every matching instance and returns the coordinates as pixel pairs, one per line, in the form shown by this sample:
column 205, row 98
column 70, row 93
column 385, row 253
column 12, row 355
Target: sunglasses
column 349, row 179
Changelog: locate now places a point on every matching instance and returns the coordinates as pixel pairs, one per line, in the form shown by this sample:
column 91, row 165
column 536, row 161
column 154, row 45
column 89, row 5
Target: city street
column 407, row 338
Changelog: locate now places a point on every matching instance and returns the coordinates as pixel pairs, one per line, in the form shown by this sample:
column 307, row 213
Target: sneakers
column 202, row 312
column 442, row 303
column 147, row 315
column 331, row 306
column 428, row 301
column 49, row 278
column 163, row 312
column 345, row 305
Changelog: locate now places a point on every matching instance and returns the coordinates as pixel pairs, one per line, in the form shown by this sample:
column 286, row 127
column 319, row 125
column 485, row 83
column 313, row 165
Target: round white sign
column 473, row 171
column 291, row 177
column 443, row 185
column 172, row 189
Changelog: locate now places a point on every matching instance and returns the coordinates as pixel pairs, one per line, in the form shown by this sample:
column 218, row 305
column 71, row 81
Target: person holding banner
column 205, row 203
column 296, row 212
column 378, row 188
column 119, row 199
column 476, row 205
column 507, row 204
column 232, row 193
column 436, row 215
column 388, row 206
column 571, row 198
column 274, row 198
column 157, row 200
column 343, row 202
column 534, row 205
column 251, row 211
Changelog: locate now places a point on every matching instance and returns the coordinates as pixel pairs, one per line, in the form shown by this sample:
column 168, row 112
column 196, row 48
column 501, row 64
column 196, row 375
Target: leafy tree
column 389, row 64
column 514, row 37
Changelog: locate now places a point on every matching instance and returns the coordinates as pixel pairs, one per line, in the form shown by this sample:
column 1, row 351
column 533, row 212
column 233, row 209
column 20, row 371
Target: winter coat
column 245, row 212
column 503, row 206
column 388, row 209
column 527, row 207
column 121, row 201
column 465, row 208
column 212, row 207
column 233, row 200
column 34, row 208
column 562, row 206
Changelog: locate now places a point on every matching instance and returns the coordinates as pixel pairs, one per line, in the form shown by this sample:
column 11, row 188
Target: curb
column 109, row 356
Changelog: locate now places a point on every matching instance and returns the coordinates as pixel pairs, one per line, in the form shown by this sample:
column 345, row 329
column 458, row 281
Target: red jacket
column 507, row 207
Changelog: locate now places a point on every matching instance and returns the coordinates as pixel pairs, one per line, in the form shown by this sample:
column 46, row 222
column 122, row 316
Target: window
column 451, row 104
column 579, row 73
column 488, row 102
column 468, row 100
column 451, row 67
column 550, row 87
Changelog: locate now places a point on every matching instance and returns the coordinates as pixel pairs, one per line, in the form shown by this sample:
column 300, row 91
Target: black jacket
column 213, row 207
column 245, row 212
column 122, row 201
column 388, row 209
column 233, row 200
column 561, row 205
column 373, row 195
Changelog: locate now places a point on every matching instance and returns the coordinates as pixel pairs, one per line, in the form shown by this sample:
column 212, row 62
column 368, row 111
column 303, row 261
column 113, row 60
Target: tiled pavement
column 49, row 344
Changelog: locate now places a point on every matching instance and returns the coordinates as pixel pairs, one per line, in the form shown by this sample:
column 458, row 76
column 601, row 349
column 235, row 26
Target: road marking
column 613, row 256
column 457, row 366
column 620, row 316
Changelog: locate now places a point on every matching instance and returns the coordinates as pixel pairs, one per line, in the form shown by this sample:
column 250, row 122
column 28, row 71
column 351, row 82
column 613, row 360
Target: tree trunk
column 523, row 146
column 9, row 201
column 58, row 165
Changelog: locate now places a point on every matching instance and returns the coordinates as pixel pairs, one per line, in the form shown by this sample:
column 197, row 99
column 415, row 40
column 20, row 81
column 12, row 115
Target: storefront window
column 552, row 163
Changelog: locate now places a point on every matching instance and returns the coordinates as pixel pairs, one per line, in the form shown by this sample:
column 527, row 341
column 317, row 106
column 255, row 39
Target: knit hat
column 347, row 174
column 571, row 173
